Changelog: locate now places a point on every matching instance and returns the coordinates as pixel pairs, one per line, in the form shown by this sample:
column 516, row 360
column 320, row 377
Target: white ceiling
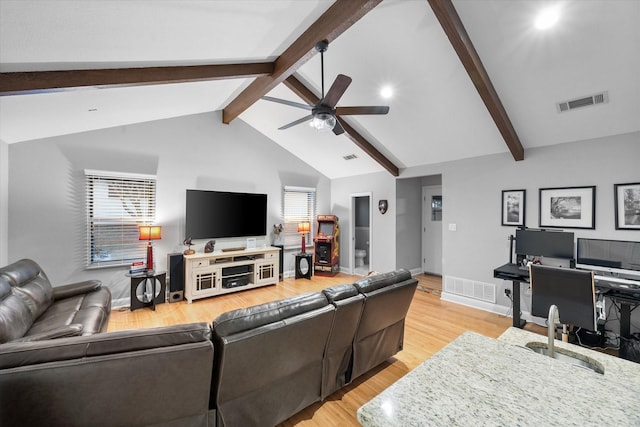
column 436, row 114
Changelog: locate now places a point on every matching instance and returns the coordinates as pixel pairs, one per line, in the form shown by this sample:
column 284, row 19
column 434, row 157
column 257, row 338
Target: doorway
column 360, row 247
column 432, row 206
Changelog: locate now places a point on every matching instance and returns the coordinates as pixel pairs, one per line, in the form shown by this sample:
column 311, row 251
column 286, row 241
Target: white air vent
column 350, row 157
column 598, row 98
column 470, row 289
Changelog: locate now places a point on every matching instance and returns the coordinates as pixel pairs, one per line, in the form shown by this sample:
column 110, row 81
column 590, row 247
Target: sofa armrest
column 72, row 330
column 66, row 291
column 16, row 354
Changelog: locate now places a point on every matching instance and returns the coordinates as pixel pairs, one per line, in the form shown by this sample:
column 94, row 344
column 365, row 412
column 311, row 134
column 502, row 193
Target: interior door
column 432, row 230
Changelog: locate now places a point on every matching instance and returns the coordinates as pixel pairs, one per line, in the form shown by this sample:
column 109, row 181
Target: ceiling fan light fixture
column 323, row 122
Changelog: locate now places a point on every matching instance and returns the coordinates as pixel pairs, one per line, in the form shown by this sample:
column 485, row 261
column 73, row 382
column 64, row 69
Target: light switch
column 452, row 227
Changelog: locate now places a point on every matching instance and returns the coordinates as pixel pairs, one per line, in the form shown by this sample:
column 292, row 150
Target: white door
column 432, row 230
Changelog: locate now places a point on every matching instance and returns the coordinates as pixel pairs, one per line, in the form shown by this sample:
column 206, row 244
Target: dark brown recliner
column 338, row 360
column 269, row 360
column 380, row 333
column 31, row 309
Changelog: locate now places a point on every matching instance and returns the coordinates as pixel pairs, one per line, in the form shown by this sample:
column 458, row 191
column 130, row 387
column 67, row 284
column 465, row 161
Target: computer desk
column 629, row 299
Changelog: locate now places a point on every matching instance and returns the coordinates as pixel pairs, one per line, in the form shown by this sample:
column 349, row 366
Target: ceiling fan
column 323, row 114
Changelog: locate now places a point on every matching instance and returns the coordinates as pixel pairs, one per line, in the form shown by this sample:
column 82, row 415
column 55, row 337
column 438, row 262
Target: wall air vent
column 598, row 98
column 350, row 157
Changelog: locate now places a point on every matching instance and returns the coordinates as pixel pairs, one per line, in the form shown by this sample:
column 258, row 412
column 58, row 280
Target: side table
column 145, row 291
column 303, row 267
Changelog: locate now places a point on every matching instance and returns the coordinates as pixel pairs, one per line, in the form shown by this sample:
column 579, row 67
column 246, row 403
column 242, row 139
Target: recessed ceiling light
column 386, row 92
column 547, row 17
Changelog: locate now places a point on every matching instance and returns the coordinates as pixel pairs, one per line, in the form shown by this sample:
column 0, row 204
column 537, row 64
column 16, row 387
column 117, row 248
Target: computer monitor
column 612, row 256
column 553, row 244
column 571, row 290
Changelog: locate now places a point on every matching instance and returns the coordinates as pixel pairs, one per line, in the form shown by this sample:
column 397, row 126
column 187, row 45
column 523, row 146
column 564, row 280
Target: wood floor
column 430, row 325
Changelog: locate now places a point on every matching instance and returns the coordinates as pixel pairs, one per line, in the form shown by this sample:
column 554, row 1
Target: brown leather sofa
column 275, row 359
column 256, row 366
column 31, row 309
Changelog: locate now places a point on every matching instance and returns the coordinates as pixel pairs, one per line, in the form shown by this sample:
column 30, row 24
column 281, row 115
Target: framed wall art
column 627, row 206
column 568, row 207
column 513, row 207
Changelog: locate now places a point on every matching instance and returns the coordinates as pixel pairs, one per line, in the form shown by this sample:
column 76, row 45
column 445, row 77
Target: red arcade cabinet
column 327, row 246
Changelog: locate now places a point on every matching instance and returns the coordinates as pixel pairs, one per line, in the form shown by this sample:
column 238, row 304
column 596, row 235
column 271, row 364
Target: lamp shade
column 150, row 232
column 304, row 227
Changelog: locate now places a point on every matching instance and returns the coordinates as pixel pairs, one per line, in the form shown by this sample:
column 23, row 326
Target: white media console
column 218, row 272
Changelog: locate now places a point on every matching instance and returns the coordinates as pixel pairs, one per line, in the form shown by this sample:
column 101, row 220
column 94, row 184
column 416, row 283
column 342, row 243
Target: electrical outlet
column 507, row 292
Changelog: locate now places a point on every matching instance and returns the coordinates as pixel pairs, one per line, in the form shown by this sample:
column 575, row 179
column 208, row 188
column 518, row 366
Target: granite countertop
column 615, row 369
column 476, row 380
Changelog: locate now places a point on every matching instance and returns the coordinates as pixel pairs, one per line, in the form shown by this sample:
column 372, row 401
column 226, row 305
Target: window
column 299, row 206
column 117, row 204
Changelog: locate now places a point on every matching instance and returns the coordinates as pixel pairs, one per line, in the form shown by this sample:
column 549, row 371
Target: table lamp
column 150, row 232
column 304, row 228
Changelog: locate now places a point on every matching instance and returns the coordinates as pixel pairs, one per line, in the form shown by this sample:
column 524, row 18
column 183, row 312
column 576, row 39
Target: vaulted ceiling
column 469, row 78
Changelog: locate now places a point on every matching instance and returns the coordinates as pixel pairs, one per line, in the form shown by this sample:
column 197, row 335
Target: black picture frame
column 626, row 199
column 514, row 203
column 567, row 207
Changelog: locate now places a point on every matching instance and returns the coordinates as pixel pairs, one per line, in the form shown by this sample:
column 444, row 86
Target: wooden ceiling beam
column 25, row 82
column 457, row 34
column 311, row 98
column 333, row 22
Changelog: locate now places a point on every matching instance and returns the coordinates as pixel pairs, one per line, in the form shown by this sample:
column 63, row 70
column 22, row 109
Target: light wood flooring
column 430, row 325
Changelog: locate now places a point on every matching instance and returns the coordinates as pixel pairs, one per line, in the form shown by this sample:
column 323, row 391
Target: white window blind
column 117, row 204
column 299, row 206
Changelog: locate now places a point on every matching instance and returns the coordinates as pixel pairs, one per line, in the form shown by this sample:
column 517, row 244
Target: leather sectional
column 255, row 366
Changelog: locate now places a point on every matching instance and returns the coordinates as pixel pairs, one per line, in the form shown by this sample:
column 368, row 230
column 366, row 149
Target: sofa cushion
column 31, row 284
column 244, row 319
column 15, row 317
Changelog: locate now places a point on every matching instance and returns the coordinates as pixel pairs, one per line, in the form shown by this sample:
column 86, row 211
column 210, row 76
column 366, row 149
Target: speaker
column 175, row 268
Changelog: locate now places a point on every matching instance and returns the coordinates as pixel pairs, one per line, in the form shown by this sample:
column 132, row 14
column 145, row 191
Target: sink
column 567, row 356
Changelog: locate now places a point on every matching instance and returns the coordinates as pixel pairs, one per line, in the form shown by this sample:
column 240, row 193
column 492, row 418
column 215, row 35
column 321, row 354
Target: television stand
column 223, row 272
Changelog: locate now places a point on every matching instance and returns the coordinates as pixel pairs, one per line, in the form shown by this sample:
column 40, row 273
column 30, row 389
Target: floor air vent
column 598, row 98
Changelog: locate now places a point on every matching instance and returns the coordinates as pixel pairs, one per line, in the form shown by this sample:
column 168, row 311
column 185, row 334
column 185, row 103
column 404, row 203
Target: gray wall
column 46, row 185
column 472, row 193
column 383, row 243
column 409, row 224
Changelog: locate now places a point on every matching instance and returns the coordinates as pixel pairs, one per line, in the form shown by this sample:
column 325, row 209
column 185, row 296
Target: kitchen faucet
column 554, row 317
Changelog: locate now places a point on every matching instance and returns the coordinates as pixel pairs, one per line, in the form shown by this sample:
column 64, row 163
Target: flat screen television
column 571, row 290
column 612, row 256
column 220, row 214
column 553, row 244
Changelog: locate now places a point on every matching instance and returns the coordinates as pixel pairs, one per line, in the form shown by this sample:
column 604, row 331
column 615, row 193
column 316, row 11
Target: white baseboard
column 120, row 303
column 416, row 271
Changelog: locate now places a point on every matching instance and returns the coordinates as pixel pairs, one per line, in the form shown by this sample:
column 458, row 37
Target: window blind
column 299, row 206
column 117, row 204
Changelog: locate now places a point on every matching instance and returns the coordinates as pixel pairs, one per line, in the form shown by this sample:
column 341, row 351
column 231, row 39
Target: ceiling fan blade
column 296, row 122
column 350, row 111
column 338, row 129
column 337, row 89
column 289, row 103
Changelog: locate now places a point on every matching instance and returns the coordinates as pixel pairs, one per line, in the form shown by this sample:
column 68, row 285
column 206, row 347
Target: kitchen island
column 476, row 380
